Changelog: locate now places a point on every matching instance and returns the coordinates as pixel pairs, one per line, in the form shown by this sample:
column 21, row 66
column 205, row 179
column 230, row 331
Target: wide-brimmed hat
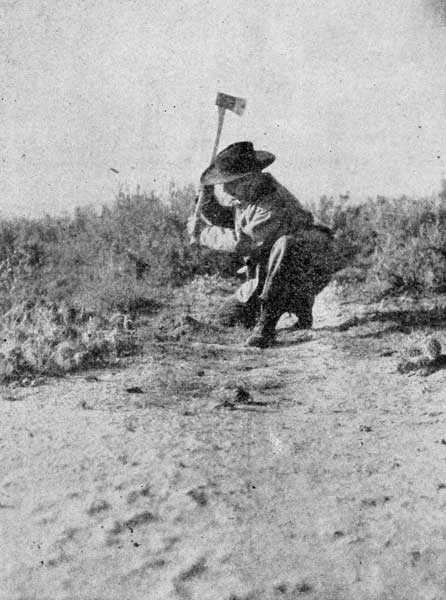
column 236, row 161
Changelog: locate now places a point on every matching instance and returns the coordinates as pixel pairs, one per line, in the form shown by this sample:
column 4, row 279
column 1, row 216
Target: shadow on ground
column 399, row 320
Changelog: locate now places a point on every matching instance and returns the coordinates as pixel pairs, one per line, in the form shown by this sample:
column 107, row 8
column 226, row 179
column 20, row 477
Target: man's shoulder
column 274, row 194
column 285, row 193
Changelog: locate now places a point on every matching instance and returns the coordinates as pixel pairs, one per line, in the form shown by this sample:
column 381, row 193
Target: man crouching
column 289, row 259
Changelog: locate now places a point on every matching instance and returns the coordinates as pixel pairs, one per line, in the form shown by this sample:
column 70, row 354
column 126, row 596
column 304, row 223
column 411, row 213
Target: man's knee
column 283, row 243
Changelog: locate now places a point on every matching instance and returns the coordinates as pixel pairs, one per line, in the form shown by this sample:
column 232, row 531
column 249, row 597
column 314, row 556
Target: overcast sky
column 349, row 94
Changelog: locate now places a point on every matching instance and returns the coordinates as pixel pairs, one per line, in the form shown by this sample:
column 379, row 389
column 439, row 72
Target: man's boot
column 264, row 332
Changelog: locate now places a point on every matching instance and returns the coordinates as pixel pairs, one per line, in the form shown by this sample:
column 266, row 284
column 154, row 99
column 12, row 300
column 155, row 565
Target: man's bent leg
column 275, row 296
column 298, row 269
column 283, row 274
column 316, row 252
column 304, row 312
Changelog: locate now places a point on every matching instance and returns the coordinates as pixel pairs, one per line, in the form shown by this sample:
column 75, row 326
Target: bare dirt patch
column 315, row 469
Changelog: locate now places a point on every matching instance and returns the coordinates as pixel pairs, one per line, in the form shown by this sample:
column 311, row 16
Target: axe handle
column 221, row 117
column 198, row 206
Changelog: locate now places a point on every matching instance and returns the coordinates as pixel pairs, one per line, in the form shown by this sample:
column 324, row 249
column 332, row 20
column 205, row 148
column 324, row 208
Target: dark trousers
column 288, row 278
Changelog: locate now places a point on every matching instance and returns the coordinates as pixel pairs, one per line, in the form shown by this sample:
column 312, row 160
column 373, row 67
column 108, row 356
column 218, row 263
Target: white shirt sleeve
column 218, row 238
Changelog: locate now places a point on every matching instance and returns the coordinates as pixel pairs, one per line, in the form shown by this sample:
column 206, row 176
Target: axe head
column 233, row 103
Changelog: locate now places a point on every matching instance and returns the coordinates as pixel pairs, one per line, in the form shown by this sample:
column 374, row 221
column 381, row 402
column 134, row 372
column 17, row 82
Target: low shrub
column 391, row 246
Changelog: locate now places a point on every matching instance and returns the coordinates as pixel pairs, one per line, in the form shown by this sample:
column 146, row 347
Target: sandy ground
column 311, row 470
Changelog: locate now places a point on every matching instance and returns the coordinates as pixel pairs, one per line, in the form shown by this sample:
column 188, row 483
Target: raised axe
column 224, row 102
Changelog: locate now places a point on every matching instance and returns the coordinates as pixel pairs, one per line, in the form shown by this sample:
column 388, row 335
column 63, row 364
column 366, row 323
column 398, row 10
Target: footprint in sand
column 97, row 506
column 194, row 571
column 128, row 525
column 291, row 590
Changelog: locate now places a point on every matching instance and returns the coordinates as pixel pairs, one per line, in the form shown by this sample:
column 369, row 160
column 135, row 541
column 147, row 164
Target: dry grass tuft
column 40, row 341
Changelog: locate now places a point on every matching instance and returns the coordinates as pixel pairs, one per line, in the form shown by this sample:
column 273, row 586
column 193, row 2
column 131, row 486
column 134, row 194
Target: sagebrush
column 72, row 288
column 391, row 245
